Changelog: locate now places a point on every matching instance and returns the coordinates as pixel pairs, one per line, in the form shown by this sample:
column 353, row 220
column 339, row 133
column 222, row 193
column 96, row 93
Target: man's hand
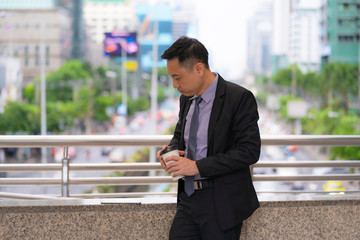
column 181, row 166
column 160, row 158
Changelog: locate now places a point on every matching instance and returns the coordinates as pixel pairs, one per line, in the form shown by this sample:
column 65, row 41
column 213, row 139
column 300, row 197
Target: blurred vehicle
column 134, row 126
column 331, row 186
column 292, row 148
column 297, row 186
column 59, row 153
column 259, row 170
column 117, row 155
column 289, row 151
column 338, row 171
column 105, row 151
column 119, row 123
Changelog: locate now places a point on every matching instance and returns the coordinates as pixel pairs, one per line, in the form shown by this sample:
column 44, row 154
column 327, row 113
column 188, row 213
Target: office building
column 280, row 35
column 304, row 34
column 26, row 28
column 296, row 34
column 156, row 28
column 259, row 39
column 107, row 16
column 340, row 31
column 11, row 79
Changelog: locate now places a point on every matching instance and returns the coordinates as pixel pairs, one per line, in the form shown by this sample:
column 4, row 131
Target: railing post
column 65, row 173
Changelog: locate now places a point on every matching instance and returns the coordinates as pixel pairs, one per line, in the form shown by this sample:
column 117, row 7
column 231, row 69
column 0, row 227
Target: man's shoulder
column 234, row 88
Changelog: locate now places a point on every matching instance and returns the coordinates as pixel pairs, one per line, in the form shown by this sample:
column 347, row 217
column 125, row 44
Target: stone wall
column 137, row 219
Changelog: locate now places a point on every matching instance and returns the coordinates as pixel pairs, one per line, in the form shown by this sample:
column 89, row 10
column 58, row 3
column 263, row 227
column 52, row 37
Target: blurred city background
column 88, row 67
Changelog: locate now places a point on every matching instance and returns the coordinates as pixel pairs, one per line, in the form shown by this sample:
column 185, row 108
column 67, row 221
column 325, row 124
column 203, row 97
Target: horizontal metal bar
column 127, row 194
column 327, row 177
column 156, row 166
column 312, row 164
column 26, row 196
column 116, row 166
column 320, row 140
column 30, row 181
column 83, row 140
column 144, row 180
column 121, row 180
column 29, row 167
column 305, row 191
column 159, row 140
column 32, row 167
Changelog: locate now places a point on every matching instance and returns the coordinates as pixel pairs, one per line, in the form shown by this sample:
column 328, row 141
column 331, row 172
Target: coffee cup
column 170, row 151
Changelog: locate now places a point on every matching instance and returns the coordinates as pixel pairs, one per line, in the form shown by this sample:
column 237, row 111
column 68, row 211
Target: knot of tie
column 198, row 100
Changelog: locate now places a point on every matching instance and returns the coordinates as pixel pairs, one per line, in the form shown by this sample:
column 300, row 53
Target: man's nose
column 175, row 84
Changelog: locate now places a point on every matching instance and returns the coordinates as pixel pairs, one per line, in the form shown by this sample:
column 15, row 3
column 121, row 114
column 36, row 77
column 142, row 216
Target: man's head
column 187, row 64
column 188, row 51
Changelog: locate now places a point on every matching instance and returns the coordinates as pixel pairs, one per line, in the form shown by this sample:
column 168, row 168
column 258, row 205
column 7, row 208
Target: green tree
column 329, row 122
column 29, row 93
column 20, row 117
column 61, row 84
column 310, row 83
column 339, row 82
column 100, row 105
column 320, row 122
column 284, row 76
column 60, row 115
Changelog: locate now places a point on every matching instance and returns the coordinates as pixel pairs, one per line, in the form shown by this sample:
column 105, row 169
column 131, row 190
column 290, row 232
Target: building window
column 16, row 50
column 26, row 56
column 37, row 56
column 347, row 38
column 345, row 22
column 47, row 56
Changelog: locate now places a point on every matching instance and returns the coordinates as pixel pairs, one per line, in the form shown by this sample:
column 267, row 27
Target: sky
column 222, row 29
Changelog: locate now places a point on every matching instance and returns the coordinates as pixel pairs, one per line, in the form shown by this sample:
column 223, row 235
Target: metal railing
column 158, row 140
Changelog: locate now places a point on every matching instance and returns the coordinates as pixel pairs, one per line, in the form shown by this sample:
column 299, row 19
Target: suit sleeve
column 175, row 141
column 237, row 141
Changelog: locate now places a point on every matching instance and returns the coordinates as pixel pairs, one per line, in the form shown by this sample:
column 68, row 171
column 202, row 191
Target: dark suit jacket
column 233, row 145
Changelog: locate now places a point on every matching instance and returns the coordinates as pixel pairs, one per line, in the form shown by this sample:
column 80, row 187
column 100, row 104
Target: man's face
column 186, row 82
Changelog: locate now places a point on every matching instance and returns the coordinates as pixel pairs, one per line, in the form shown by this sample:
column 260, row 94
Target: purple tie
column 192, row 145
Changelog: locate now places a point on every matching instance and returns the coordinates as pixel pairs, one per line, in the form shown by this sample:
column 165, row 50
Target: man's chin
column 186, row 94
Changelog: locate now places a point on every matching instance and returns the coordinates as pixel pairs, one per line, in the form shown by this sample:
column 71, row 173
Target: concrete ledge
column 318, row 219
column 98, row 221
column 151, row 219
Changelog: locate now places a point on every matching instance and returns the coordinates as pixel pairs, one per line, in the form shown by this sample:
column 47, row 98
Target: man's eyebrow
column 175, row 75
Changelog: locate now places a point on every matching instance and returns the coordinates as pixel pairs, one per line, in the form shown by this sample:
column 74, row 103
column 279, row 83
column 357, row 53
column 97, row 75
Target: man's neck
column 209, row 77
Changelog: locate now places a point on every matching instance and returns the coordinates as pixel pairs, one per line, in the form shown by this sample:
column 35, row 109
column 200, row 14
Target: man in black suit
column 217, row 194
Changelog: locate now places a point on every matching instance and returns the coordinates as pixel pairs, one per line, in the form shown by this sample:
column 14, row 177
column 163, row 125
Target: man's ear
column 199, row 68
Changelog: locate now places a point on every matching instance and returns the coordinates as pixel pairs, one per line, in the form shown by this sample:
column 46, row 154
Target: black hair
column 189, row 51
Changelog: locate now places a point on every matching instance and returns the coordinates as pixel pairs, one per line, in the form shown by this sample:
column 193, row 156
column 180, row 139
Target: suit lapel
column 185, row 112
column 216, row 109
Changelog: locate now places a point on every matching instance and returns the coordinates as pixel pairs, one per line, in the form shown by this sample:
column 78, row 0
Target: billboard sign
column 115, row 42
column 296, row 109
